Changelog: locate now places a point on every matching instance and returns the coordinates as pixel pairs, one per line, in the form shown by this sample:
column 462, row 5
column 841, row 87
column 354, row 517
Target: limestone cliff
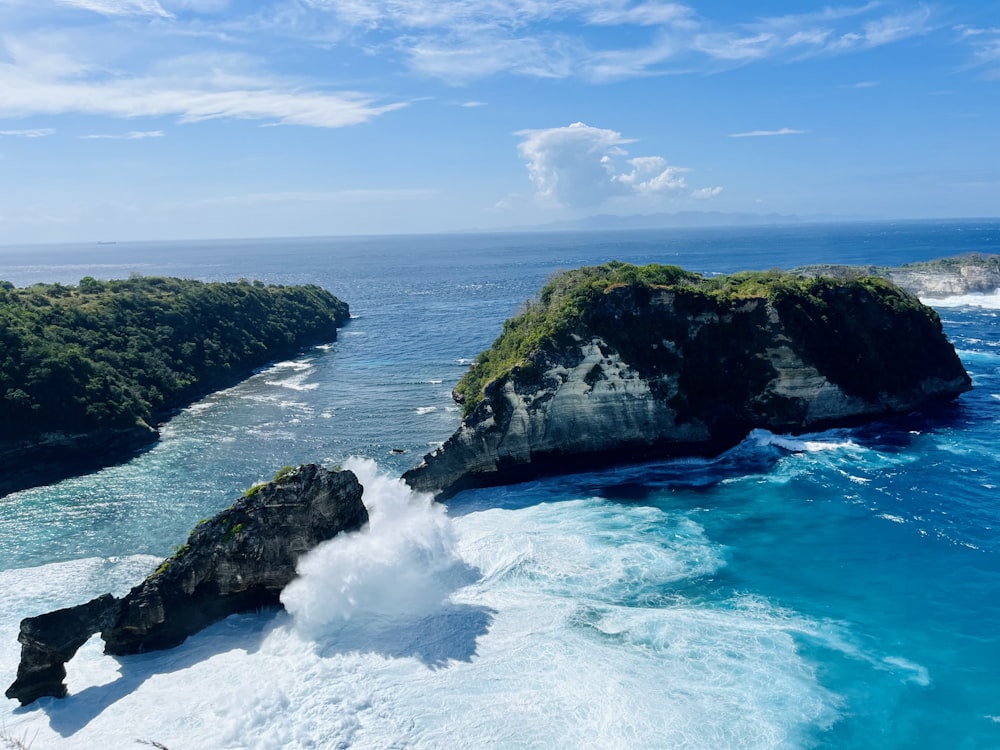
column 618, row 363
column 238, row 561
column 973, row 273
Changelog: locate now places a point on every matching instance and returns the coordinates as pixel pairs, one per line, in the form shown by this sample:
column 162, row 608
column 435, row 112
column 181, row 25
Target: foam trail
column 799, row 444
column 986, row 301
column 404, row 563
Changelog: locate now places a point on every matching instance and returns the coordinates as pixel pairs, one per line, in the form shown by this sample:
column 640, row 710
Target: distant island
column 87, row 371
column 619, row 363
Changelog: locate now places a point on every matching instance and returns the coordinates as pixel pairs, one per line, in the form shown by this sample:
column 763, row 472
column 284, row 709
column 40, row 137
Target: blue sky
column 169, row 119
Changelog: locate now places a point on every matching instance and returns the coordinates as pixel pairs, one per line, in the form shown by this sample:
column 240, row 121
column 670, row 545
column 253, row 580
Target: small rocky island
column 87, row 371
column 238, row 561
column 619, row 363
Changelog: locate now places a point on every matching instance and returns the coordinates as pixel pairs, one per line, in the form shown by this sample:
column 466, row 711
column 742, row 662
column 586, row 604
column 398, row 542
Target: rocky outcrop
column 50, row 640
column 643, row 370
column 238, row 561
column 973, row 273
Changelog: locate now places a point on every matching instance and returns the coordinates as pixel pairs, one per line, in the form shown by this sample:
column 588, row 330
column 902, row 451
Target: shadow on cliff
column 435, row 639
column 243, row 632
column 759, row 453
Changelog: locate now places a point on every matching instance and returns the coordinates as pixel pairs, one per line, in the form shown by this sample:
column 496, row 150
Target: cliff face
column 238, row 561
column 648, row 370
column 946, row 277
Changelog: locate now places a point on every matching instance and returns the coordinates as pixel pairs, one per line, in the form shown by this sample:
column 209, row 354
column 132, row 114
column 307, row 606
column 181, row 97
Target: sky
column 187, row 119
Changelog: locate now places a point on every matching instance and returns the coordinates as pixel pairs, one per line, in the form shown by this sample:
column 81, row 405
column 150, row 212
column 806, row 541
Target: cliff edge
column 972, row 273
column 619, row 363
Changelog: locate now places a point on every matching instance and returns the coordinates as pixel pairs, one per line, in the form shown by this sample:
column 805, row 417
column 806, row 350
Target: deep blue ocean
column 832, row 590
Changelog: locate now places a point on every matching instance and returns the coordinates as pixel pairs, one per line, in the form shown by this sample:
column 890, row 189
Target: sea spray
column 404, row 563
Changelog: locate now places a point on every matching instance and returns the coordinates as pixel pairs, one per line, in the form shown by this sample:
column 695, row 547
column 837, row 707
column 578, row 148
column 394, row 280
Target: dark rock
column 50, row 640
column 643, row 371
column 54, row 456
column 238, row 561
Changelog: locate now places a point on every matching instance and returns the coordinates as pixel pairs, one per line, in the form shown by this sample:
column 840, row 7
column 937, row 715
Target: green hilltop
column 113, row 354
column 577, row 302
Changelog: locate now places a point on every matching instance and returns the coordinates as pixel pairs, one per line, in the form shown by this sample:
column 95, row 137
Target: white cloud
column 651, row 174
column 192, row 90
column 120, row 7
column 29, row 133
column 706, row 193
column 767, row 133
column 577, row 166
column 461, row 40
column 132, row 135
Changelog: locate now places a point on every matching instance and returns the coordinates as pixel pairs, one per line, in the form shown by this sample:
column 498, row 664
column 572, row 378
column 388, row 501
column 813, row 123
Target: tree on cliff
column 114, row 353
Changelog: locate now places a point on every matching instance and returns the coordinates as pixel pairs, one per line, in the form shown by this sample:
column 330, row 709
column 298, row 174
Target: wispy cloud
column 44, row 82
column 767, row 133
column 462, row 40
column 120, row 7
column 29, row 133
column 132, row 135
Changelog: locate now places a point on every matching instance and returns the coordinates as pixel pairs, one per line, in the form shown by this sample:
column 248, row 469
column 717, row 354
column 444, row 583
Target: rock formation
column 946, row 277
column 618, row 363
column 238, row 561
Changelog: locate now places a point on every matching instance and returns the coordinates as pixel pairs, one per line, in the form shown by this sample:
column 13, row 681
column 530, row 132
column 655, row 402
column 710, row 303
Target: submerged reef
column 238, row 561
column 619, row 363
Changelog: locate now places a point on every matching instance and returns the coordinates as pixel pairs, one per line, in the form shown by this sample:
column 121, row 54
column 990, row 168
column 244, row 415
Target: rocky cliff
column 973, row 273
column 238, row 561
column 619, row 363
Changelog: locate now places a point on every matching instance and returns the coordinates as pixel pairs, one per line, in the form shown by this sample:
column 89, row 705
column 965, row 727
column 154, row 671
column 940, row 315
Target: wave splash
column 405, row 562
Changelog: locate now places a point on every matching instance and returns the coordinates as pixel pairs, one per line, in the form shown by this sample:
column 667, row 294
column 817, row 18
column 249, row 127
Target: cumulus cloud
column 706, row 193
column 579, row 166
column 767, row 133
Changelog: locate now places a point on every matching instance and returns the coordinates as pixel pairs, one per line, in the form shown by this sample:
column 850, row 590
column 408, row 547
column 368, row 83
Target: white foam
column 576, row 633
column 986, row 301
column 426, row 409
column 404, row 562
column 296, row 382
column 910, row 671
column 801, row 444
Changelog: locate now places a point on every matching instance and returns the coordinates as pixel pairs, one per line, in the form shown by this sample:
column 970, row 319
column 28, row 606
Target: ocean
column 832, row 590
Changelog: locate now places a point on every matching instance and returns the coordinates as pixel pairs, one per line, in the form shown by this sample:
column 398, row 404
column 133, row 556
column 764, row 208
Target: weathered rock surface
column 238, row 561
column 946, row 277
column 651, row 371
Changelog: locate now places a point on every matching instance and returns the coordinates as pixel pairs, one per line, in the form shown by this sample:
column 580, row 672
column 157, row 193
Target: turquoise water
column 835, row 590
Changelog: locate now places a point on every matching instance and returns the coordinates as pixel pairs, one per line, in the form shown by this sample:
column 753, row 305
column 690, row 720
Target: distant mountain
column 678, row 219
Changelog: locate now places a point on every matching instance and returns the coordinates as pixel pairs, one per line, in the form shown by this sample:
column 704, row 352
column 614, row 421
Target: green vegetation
column 123, row 352
column 835, row 319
